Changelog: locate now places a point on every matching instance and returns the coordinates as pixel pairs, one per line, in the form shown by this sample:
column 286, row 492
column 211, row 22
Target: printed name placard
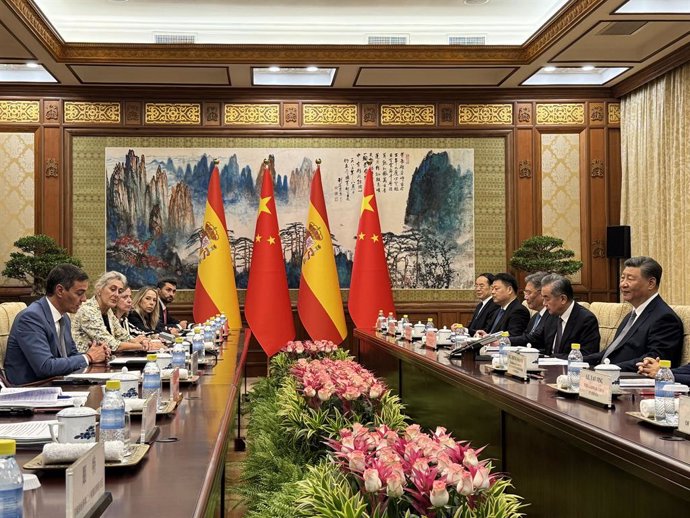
column 194, row 369
column 407, row 332
column 684, row 414
column 517, row 365
column 175, row 384
column 596, row 386
column 85, row 482
column 148, row 418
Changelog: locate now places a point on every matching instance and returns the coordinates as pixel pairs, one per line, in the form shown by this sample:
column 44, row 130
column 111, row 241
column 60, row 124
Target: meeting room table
column 183, row 473
column 566, row 457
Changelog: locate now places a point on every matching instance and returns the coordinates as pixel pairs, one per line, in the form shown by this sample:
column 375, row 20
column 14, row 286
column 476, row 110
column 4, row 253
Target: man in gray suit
column 40, row 343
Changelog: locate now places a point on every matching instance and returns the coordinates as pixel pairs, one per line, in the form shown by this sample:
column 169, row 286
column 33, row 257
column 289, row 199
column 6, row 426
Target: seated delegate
column 121, row 311
column 96, row 322
column 145, row 314
column 40, row 343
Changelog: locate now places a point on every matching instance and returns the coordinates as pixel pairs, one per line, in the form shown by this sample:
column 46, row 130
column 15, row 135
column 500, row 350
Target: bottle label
column 152, row 380
column 11, row 502
column 112, row 418
column 178, row 358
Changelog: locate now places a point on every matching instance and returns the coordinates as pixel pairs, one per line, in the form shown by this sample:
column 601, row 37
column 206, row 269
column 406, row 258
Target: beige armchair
column 8, row 310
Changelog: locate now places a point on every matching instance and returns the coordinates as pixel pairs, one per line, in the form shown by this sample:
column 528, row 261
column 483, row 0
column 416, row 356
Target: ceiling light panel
column 25, row 73
column 293, row 76
column 575, row 76
column 655, row 7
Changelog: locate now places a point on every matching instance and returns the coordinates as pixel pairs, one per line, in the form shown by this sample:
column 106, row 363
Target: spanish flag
column 319, row 304
column 267, row 306
column 215, row 279
column 370, row 285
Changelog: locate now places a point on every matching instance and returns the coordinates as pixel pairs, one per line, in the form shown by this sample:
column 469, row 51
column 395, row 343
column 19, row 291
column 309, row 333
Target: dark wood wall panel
column 53, row 173
column 596, row 217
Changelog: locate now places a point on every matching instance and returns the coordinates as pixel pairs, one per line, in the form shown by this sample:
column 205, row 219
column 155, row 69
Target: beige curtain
column 655, row 197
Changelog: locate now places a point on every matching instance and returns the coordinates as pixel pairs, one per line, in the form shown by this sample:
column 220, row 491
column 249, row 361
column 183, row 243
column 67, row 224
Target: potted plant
column 37, row 256
column 545, row 254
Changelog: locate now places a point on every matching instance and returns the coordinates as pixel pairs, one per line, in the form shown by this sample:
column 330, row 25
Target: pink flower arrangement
column 429, row 473
column 309, row 348
column 347, row 380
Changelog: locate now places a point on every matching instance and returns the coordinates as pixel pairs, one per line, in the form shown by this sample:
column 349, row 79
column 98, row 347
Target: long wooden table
column 566, row 457
column 184, row 478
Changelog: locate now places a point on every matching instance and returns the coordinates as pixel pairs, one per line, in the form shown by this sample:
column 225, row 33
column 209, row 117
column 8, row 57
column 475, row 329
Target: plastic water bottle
column 503, row 344
column 429, row 324
column 574, row 368
column 381, row 321
column 113, row 414
column 11, row 481
column 178, row 354
column 152, row 379
column 664, row 404
column 199, row 343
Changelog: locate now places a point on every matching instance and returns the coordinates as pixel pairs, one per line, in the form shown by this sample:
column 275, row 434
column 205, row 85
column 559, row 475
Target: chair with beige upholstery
column 684, row 313
column 8, row 310
column 610, row 315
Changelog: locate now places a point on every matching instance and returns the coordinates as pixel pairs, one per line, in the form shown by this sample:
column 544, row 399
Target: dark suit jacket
column 166, row 321
column 656, row 332
column 582, row 328
column 682, row 374
column 484, row 319
column 33, row 351
column 514, row 320
column 138, row 322
column 533, row 335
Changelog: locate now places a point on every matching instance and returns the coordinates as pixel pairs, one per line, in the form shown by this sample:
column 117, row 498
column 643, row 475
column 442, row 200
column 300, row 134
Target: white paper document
column 34, row 397
column 636, row 382
column 27, row 432
column 552, row 361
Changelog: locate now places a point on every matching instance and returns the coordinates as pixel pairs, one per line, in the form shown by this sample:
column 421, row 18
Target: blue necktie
column 499, row 316
column 537, row 319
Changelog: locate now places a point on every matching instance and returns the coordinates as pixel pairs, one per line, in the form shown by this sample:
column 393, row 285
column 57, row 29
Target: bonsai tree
column 545, row 254
column 39, row 254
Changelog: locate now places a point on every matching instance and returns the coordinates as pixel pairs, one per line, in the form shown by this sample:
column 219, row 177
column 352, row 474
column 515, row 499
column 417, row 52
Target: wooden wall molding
column 485, row 114
column 19, row 111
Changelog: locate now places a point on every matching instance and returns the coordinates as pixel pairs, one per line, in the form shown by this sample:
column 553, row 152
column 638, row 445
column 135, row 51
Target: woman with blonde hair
column 95, row 321
column 145, row 314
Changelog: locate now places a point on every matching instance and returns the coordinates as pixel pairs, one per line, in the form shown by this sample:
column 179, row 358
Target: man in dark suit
column 534, row 302
column 40, row 343
column 167, row 288
column 651, row 329
column 486, row 309
column 568, row 323
column 511, row 316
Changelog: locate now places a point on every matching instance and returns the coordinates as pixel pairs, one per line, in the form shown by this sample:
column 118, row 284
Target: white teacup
column 164, row 360
column 129, row 384
column 444, row 334
column 74, row 425
column 611, row 369
column 418, row 330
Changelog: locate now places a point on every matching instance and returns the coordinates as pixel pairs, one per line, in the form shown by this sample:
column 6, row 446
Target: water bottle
column 11, row 481
column 429, row 324
column 574, row 368
column 503, row 344
column 224, row 323
column 199, row 343
column 178, row 354
column 152, row 379
column 664, row 404
column 381, row 321
column 113, row 415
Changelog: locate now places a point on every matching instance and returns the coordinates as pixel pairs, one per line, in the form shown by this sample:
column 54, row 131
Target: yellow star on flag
column 362, row 235
column 366, row 204
column 263, row 205
column 258, row 238
column 271, row 240
column 375, row 238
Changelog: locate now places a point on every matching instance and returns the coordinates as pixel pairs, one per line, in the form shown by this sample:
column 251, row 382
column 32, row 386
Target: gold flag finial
column 216, row 161
column 266, row 162
column 369, row 161
column 318, row 161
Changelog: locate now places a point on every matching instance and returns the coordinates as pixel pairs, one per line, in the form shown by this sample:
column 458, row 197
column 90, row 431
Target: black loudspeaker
column 618, row 241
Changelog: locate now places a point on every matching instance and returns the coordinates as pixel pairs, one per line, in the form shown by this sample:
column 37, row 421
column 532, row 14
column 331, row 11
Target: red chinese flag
column 267, row 306
column 320, row 305
column 370, row 285
column 215, row 282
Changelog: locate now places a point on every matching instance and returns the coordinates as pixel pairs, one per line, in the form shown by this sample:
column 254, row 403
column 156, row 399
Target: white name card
column 148, row 418
column 684, row 414
column 175, row 384
column 85, row 482
column 596, row 386
column 194, row 369
column 517, row 365
column 407, row 332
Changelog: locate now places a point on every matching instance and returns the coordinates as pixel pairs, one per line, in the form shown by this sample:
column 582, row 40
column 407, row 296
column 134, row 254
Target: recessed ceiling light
column 549, row 69
column 296, row 76
column 574, row 76
column 654, row 7
column 274, row 69
column 312, row 69
column 31, row 64
column 24, row 73
column 588, row 68
column 476, row 2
